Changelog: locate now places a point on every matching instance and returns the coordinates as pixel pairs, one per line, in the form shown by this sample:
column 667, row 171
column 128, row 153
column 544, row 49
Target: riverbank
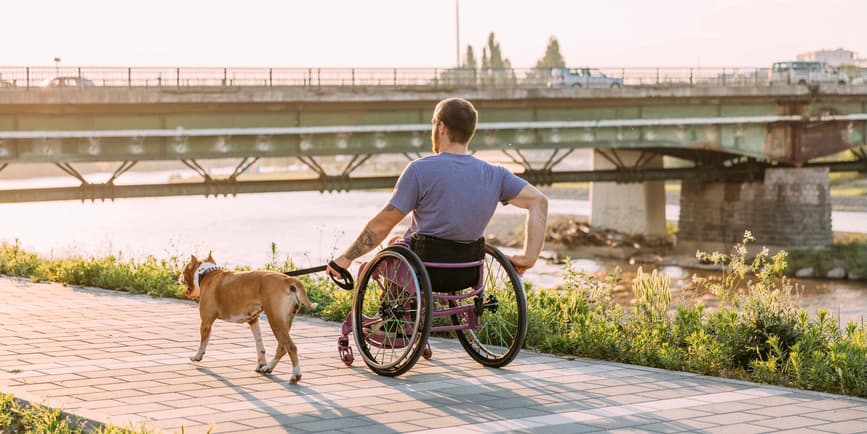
column 570, row 237
column 758, row 334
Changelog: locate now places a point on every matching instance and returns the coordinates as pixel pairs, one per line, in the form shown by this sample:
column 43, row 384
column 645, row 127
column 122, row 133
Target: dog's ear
column 210, row 258
column 193, row 258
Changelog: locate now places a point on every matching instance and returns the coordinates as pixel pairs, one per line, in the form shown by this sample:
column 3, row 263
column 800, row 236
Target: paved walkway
column 114, row 357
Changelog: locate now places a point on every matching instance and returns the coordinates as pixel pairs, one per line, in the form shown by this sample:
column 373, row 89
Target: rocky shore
column 570, row 237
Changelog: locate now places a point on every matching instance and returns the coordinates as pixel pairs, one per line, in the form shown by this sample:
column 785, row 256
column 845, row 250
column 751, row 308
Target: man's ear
column 210, row 258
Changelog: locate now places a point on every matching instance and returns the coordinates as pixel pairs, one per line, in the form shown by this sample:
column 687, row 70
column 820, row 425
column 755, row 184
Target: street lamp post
column 57, row 66
column 458, row 32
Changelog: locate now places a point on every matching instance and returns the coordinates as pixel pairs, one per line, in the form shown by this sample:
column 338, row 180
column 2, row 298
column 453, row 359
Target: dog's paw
column 196, row 358
column 264, row 370
column 295, row 379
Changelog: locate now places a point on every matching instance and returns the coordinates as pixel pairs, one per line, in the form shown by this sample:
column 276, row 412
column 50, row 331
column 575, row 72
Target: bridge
column 729, row 133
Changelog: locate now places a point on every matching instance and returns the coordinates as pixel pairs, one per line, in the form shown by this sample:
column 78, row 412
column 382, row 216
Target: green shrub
column 18, row 418
column 150, row 276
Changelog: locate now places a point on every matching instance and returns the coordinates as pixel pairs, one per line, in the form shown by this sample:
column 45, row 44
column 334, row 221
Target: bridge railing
column 138, row 77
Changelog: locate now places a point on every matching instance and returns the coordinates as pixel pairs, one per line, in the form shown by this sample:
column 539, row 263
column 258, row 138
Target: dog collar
column 204, row 268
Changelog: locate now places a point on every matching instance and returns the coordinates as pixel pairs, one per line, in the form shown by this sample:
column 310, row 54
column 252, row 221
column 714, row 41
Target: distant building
column 836, row 57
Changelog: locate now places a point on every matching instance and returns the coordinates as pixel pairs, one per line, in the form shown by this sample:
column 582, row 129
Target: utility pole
column 458, row 32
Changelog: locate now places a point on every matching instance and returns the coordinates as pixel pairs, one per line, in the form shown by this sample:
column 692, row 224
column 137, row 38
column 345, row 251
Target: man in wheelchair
column 452, row 196
column 473, row 290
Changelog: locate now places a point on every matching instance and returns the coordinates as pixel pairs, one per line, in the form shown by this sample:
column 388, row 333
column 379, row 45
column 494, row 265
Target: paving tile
column 727, row 407
column 226, row 427
column 849, row 426
column 670, row 426
column 227, row 416
column 829, row 404
column 798, row 431
column 330, row 425
column 732, row 418
column 739, row 428
column 790, row 422
column 782, row 410
column 840, row 414
column 566, row 428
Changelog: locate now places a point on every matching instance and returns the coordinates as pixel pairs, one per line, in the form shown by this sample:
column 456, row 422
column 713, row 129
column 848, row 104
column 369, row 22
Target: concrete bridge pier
column 633, row 208
column 790, row 208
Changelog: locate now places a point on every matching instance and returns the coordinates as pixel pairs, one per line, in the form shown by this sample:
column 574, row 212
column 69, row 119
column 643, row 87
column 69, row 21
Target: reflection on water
column 309, row 227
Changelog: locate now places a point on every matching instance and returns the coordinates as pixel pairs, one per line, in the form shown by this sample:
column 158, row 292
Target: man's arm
column 373, row 233
column 536, row 204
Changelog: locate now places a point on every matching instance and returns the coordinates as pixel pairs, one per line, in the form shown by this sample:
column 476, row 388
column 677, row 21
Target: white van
column 803, row 73
column 582, row 77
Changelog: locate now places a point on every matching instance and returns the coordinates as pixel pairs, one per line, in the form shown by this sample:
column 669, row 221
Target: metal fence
column 145, row 77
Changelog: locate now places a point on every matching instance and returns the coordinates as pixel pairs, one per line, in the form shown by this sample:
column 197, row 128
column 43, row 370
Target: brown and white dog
column 240, row 297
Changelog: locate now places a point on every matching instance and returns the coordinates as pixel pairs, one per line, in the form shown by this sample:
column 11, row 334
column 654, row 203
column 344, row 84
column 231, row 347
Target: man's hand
column 342, row 261
column 522, row 263
column 536, row 203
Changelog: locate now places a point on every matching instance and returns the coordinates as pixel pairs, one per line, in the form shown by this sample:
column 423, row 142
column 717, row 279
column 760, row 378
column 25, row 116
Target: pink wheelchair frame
column 395, row 285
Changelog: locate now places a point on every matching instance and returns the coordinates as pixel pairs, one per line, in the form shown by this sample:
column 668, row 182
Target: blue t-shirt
column 453, row 196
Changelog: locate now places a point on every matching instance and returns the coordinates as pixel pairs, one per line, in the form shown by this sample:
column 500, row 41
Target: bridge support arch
column 790, row 208
column 633, row 208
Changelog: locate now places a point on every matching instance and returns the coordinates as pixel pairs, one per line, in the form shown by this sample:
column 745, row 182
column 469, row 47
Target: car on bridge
column 72, row 81
column 804, row 73
column 582, row 77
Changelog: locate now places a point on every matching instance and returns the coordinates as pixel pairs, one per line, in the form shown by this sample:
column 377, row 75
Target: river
column 308, row 227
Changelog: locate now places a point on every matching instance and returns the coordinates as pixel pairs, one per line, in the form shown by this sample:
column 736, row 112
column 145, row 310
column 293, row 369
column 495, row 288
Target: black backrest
column 433, row 249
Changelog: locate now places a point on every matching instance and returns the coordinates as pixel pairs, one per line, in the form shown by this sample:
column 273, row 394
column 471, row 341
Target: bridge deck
column 115, row 357
column 716, row 128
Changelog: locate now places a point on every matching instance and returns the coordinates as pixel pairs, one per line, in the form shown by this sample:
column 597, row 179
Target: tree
column 496, row 69
column 470, row 62
column 497, row 61
column 463, row 76
column 552, row 58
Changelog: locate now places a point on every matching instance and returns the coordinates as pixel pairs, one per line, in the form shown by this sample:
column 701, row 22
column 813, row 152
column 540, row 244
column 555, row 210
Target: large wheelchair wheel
column 391, row 311
column 501, row 311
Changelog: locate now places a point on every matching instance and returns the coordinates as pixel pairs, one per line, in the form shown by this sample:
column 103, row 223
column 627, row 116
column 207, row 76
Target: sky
column 412, row 33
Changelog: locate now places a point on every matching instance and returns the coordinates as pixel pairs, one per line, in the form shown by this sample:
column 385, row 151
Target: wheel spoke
column 503, row 316
column 392, row 297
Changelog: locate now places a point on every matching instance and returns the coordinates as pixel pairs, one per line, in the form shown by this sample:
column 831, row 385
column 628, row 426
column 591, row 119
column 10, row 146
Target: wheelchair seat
column 451, row 265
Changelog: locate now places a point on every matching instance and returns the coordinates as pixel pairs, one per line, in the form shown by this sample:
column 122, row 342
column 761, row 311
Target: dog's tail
column 297, row 287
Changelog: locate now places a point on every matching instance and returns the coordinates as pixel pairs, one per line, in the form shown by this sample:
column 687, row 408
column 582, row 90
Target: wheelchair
column 396, row 307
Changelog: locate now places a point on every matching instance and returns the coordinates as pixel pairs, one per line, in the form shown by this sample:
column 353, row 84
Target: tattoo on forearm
column 363, row 244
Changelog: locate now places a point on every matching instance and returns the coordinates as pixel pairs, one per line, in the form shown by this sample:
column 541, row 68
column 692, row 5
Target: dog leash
column 346, row 282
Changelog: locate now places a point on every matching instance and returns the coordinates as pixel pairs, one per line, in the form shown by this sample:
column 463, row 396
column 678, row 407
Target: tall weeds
column 758, row 334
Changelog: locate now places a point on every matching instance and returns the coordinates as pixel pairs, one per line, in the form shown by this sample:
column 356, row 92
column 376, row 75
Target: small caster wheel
column 426, row 352
column 345, row 351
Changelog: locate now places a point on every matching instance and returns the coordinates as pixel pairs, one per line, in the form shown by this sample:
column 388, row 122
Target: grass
column 850, row 191
column 17, row 417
